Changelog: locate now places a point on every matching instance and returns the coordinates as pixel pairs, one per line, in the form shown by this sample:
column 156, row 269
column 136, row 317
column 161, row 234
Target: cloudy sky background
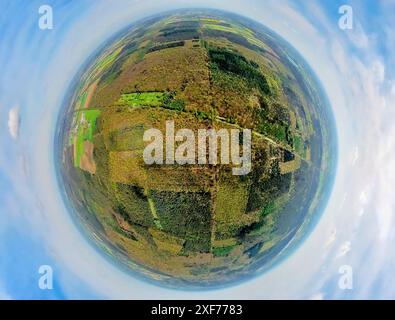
column 357, row 70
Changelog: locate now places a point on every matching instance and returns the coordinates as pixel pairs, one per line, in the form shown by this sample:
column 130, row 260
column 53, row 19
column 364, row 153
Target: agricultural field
column 83, row 137
column 144, row 99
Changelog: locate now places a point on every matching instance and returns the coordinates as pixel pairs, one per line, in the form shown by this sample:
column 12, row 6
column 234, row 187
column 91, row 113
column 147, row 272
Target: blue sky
column 357, row 70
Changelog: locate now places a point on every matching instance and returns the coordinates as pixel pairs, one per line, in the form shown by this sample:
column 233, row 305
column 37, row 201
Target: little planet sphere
column 195, row 224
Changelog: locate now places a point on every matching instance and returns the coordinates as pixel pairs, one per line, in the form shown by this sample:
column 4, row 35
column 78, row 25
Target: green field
column 223, row 251
column 274, row 130
column 86, row 128
column 106, row 61
column 238, row 30
column 152, row 99
column 143, row 99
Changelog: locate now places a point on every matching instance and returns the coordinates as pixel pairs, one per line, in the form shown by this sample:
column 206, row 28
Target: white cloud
column 344, row 249
column 378, row 70
column 358, row 37
column 355, row 156
column 317, row 296
column 364, row 197
column 13, row 122
column 331, row 239
column 3, row 294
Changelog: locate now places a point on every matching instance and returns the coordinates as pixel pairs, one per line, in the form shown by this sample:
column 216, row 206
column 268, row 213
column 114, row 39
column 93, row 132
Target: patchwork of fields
column 191, row 222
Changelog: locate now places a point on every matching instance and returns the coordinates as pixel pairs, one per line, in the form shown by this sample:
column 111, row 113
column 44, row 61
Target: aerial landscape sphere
column 195, row 225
